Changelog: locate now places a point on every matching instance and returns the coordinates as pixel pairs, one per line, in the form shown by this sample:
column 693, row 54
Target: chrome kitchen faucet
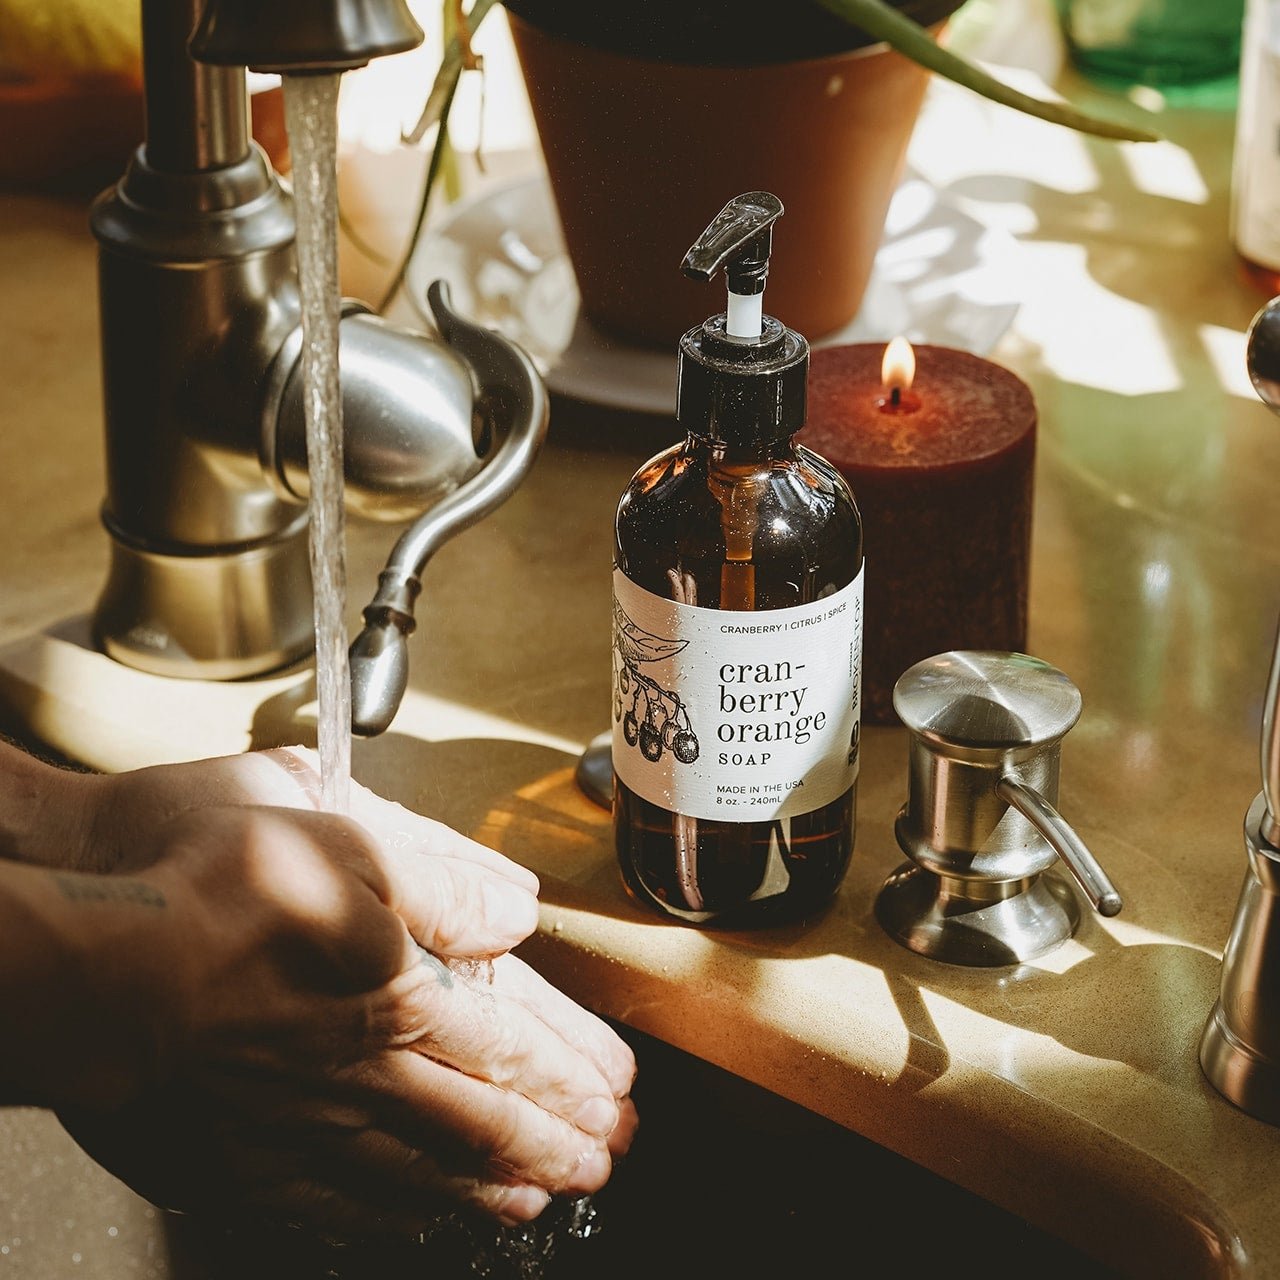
column 1240, row 1045
column 206, row 503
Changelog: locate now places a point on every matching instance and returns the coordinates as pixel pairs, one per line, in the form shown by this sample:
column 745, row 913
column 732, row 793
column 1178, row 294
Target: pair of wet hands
column 343, row 1038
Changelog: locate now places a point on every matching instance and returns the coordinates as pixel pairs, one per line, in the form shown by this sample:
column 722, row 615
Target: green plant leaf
column 424, row 203
column 878, row 19
column 436, row 111
column 447, row 75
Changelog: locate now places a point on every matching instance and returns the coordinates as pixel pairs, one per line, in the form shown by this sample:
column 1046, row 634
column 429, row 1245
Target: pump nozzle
column 740, row 239
column 742, row 375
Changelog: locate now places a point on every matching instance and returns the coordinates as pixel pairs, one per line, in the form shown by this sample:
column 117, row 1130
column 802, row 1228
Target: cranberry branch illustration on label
column 657, row 718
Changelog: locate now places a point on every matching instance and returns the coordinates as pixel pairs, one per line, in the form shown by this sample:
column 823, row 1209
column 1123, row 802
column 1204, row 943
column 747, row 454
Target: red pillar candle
column 940, row 460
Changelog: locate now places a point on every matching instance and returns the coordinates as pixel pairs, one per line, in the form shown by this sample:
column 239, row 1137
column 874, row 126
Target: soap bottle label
column 736, row 716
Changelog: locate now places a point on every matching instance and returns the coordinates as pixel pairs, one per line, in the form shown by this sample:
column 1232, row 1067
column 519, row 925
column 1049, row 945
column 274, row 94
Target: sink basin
column 725, row 1179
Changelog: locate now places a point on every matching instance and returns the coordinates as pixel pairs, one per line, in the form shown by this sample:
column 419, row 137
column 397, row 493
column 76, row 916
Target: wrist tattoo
column 107, row 889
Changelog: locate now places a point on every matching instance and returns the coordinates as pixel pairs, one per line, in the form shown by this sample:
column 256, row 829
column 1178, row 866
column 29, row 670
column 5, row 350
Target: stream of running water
column 311, row 119
column 311, row 116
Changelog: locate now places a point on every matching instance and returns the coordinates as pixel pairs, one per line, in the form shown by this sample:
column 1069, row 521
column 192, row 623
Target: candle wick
column 895, row 396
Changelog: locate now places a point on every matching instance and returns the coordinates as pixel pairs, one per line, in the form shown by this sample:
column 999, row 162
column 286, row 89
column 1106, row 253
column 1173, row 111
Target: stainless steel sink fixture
column 201, row 341
column 1240, row 1047
column 979, row 827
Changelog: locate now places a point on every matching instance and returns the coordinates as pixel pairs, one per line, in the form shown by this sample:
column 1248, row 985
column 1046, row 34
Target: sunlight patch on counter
column 1128, row 934
column 431, row 718
column 1117, row 345
column 1226, row 351
column 1017, row 149
column 1163, row 169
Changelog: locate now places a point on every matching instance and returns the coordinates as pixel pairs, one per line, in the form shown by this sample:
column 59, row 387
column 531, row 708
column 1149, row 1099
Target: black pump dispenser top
column 742, row 375
column 739, row 238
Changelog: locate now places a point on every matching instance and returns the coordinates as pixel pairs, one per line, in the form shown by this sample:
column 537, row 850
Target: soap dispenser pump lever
column 1094, row 882
column 739, row 239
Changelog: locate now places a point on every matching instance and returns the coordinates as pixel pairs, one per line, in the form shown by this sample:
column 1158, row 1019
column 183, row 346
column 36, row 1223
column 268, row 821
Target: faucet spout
column 303, row 35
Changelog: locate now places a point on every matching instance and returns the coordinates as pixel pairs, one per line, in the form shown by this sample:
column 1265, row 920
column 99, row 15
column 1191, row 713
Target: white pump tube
column 745, row 315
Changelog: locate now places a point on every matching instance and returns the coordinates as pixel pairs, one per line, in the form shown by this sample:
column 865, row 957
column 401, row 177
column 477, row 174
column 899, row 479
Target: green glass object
column 1163, row 43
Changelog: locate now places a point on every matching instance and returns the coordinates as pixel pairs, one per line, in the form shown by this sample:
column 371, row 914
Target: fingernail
column 522, row 1204
column 591, row 1172
column 597, row 1116
column 510, row 910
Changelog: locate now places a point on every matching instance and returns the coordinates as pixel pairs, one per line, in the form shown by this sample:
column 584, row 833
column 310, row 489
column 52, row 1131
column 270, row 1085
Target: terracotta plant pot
column 642, row 152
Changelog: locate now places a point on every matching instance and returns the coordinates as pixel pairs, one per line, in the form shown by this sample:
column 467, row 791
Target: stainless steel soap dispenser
column 980, row 827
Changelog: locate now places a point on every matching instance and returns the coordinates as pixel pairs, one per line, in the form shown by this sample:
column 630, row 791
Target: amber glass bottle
column 737, row 627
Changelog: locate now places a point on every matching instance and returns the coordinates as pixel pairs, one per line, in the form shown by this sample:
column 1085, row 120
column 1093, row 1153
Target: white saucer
column 940, row 277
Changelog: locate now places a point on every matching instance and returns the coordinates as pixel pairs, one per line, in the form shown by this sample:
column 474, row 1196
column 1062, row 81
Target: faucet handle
column 408, row 410
column 511, row 397
column 1269, row 825
column 1240, row 1044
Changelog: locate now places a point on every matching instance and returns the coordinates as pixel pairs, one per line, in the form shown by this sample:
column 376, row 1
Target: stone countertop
column 1066, row 1090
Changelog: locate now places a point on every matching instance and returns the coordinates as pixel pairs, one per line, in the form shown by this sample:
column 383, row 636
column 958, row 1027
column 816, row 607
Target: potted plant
column 651, row 115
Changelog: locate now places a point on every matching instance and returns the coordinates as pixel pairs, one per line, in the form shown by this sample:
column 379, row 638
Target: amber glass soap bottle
column 737, row 625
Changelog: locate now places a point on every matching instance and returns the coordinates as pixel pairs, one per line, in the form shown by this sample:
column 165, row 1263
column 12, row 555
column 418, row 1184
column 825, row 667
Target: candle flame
column 898, row 368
